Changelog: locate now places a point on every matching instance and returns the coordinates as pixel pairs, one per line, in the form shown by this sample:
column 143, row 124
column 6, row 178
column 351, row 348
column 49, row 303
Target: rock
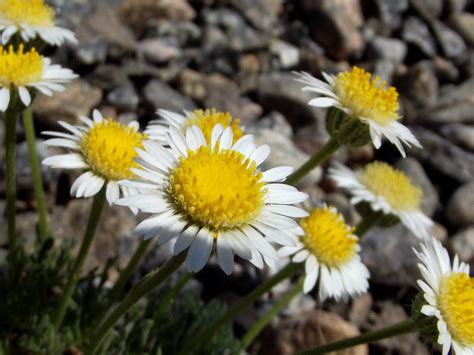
column 79, row 98
column 158, row 94
column 185, row 33
column 460, row 207
column 287, row 55
column 390, row 11
column 387, row 48
column 360, row 309
column 444, row 156
column 388, row 254
column 222, row 94
column 451, row 42
column 343, row 206
column 417, row 175
column 456, row 6
column 417, row 33
column 307, row 330
column 462, row 243
column 385, row 69
column 124, row 98
column 158, row 50
column 428, row 9
column 464, row 24
column 461, row 134
column 275, row 122
column 337, row 26
column 420, row 85
column 262, row 14
column 283, row 151
column 108, row 77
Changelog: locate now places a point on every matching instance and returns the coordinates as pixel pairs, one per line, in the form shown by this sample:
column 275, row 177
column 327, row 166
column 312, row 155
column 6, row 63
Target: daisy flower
column 105, row 148
column 20, row 71
column 31, row 18
column 449, row 294
column 366, row 99
column 387, row 190
column 330, row 252
column 204, row 119
column 214, row 194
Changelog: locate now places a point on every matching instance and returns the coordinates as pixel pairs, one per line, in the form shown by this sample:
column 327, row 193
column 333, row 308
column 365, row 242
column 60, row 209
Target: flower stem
column 129, row 269
column 253, row 332
column 367, row 222
column 36, row 172
column 404, row 327
column 10, row 142
column 170, row 297
column 317, row 159
column 147, row 284
column 94, row 218
column 231, row 313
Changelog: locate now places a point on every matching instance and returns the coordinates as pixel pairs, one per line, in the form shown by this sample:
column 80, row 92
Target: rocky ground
column 136, row 56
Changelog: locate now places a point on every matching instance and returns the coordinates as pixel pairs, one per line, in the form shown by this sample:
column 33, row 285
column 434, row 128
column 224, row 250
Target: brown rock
column 305, row 331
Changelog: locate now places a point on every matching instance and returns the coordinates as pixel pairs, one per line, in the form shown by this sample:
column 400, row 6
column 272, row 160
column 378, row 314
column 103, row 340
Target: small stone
column 191, row 84
column 262, row 14
column 343, row 206
column 360, row 309
column 287, row 54
column 460, row 208
column 428, row 9
column 420, row 85
column 418, row 34
column 79, row 98
column 160, row 95
column 124, row 98
column 461, row 134
column 158, row 50
column 390, row 11
column 451, row 42
column 462, row 243
column 464, row 24
column 387, row 48
column 417, row 175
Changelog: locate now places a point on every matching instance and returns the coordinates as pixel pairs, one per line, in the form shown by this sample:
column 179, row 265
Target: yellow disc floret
column 29, row 12
column 215, row 189
column 328, row 238
column 391, row 184
column 366, row 97
column 18, row 68
column 207, row 119
column 109, row 148
column 456, row 303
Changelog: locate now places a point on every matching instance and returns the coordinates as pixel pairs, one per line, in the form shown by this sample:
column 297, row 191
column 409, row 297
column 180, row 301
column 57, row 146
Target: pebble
column 161, row 96
column 460, row 207
column 417, row 33
column 461, row 134
column 462, row 243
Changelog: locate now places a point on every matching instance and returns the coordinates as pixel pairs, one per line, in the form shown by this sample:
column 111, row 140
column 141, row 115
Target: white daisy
column 21, row 71
column 330, row 251
column 204, row 119
column 214, row 194
column 31, row 19
column 104, row 148
column 387, row 190
column 449, row 293
column 358, row 96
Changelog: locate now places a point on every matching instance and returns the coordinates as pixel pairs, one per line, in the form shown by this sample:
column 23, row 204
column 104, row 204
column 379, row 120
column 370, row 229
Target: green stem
column 10, row 142
column 147, row 284
column 129, row 269
column 317, row 159
column 36, row 172
column 404, row 327
column 170, row 297
column 240, row 306
column 94, row 218
column 367, row 223
column 268, row 316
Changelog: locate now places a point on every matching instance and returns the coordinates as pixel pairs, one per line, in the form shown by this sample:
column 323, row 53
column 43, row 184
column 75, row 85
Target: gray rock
column 461, row 134
column 158, row 50
column 160, row 95
column 417, row 33
column 262, row 14
column 444, row 156
column 385, row 69
column 390, row 11
column 109, row 77
column 186, row 33
column 287, row 55
column 460, row 208
column 124, row 98
column 420, row 85
column 450, row 41
column 387, row 48
column 419, row 178
column 464, row 24
column 462, row 243
column 428, row 9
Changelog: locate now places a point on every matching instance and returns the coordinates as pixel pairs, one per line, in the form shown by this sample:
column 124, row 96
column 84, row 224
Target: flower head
column 204, row 119
column 214, row 193
column 330, row 251
column 448, row 291
column 21, row 70
column 31, row 18
column 385, row 189
column 105, row 148
column 365, row 98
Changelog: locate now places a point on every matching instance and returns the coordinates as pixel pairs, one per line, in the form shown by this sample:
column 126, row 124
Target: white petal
column 225, row 257
column 24, row 95
column 277, row 174
column 199, row 251
column 113, row 192
column 4, row 99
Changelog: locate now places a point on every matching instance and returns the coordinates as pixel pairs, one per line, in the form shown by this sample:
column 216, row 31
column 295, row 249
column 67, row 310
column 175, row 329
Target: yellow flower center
column 367, row 98
column 207, row 119
column 391, row 184
column 456, row 303
column 328, row 238
column 217, row 190
column 109, row 148
column 29, row 12
column 18, row 68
